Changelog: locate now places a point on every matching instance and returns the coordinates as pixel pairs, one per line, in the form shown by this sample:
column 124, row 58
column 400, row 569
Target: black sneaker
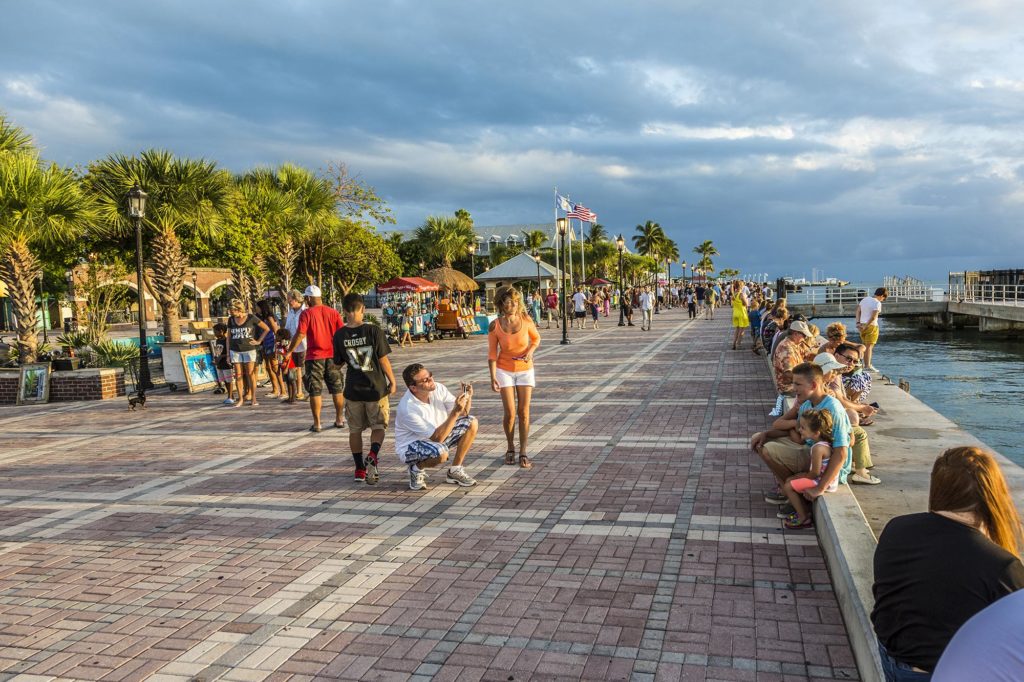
column 372, row 475
column 775, row 497
column 784, row 511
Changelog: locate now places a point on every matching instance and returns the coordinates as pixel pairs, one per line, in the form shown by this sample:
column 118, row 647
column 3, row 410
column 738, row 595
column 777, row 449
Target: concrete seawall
column 905, row 439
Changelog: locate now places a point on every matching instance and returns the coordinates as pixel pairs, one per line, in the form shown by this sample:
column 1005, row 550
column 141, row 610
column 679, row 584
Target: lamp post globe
column 563, row 226
column 136, row 200
column 620, row 244
column 536, row 257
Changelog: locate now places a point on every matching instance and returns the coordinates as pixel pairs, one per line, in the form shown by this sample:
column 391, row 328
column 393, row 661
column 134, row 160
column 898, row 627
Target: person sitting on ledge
column 934, row 570
column 856, row 381
column 861, row 452
column 790, row 352
column 785, row 458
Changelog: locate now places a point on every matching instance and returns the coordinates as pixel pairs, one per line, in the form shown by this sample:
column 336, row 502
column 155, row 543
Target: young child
column 405, row 333
column 285, row 363
column 369, row 383
column 225, row 370
column 816, row 428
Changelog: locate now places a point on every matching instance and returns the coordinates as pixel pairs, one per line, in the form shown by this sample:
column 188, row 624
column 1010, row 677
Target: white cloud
column 680, row 87
column 684, row 132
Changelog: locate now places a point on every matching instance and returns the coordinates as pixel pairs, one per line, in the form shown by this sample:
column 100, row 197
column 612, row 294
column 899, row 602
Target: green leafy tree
column 535, row 239
column 188, row 198
column 268, row 205
column 596, row 234
column 39, row 205
column 361, row 258
column 648, row 238
column 13, row 138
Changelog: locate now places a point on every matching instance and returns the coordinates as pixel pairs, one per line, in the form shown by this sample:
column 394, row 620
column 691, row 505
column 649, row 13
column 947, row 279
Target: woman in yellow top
column 740, row 320
column 512, row 340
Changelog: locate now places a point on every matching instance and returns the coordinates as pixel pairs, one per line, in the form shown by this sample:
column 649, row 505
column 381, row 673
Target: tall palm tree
column 39, row 205
column 706, row 249
column 264, row 201
column 669, row 253
column 315, row 221
column 186, row 197
column 648, row 238
column 445, row 238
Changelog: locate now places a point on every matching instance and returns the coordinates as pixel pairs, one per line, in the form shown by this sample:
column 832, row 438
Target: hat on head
column 800, row 326
column 828, row 362
column 313, row 291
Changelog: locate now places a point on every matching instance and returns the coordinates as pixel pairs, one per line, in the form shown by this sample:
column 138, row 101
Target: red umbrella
column 408, row 285
column 596, row 282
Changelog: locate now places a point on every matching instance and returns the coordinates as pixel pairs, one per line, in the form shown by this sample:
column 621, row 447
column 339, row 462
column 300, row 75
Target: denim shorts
column 241, row 357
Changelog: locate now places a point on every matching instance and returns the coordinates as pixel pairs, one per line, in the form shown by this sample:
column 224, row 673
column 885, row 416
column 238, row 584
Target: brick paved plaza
column 193, row 541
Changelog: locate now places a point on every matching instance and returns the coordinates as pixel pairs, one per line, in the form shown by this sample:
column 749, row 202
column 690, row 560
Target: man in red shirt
column 552, row 306
column 317, row 324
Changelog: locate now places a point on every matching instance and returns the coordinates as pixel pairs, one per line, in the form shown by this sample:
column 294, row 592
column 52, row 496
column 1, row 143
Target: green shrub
column 111, row 354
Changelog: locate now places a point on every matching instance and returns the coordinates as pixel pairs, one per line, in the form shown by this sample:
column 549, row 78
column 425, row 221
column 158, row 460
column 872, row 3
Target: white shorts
column 512, row 379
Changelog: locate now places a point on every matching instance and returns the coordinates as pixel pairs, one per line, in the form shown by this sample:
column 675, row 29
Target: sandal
column 864, row 480
column 510, row 457
column 314, row 429
column 794, row 523
column 867, row 422
column 524, row 462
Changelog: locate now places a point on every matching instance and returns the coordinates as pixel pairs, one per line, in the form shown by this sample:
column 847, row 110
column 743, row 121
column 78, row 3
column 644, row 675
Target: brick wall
column 86, row 384
column 9, row 386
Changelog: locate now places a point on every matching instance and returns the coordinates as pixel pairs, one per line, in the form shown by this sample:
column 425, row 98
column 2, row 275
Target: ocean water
column 974, row 379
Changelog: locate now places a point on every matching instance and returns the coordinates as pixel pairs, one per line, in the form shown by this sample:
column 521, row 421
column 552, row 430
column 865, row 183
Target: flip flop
column 314, row 429
column 864, row 480
column 510, row 457
column 340, row 426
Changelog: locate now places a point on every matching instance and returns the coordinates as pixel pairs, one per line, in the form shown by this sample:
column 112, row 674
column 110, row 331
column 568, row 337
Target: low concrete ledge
column 849, row 546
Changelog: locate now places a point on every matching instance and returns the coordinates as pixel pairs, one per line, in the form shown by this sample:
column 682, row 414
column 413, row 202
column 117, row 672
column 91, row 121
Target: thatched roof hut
column 451, row 280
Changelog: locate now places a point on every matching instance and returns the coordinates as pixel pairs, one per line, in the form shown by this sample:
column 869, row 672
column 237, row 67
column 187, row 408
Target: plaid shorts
column 319, row 372
column 419, row 450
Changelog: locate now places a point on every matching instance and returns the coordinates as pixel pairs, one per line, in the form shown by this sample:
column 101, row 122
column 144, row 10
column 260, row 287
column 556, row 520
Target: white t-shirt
column 868, row 305
column 417, row 420
column 645, row 301
column 579, row 300
column 291, row 323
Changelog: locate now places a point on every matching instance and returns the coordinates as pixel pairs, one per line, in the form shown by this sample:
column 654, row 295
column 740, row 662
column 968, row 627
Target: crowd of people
column 948, row 582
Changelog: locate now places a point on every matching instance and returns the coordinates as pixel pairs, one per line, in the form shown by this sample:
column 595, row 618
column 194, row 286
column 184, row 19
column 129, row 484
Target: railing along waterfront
column 1002, row 294
column 852, row 295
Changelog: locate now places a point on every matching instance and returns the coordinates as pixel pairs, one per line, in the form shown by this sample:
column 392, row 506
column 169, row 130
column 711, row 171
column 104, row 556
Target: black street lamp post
column 620, row 244
column 472, row 259
column 136, row 211
column 536, row 257
column 563, row 227
column 195, row 292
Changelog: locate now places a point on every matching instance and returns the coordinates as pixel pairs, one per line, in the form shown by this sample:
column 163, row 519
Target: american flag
column 581, row 212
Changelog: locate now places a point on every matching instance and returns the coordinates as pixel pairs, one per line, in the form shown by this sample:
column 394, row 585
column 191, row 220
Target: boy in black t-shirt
column 369, row 381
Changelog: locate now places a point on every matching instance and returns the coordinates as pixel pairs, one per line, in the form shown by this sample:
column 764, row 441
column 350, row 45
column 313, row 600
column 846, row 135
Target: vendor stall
column 408, row 301
column 455, row 313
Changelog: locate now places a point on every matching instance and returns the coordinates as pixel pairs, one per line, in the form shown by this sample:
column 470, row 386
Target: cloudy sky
column 848, row 136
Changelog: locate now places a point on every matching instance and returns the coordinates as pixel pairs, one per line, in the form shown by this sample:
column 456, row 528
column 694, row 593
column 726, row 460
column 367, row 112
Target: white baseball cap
column 313, row 291
column 828, row 362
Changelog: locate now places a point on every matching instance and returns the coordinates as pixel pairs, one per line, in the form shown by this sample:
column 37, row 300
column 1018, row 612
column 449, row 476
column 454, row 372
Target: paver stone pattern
column 194, row 541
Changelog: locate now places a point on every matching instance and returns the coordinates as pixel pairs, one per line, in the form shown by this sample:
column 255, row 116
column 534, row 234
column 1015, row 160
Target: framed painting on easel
column 34, row 384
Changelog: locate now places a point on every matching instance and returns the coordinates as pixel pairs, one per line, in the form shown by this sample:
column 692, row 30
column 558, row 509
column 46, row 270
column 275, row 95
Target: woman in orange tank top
column 511, row 341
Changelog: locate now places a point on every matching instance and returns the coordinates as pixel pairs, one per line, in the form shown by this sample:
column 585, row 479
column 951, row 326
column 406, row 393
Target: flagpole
column 583, row 254
column 555, row 239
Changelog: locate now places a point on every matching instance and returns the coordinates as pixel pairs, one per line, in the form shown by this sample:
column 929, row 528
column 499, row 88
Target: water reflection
column 974, row 379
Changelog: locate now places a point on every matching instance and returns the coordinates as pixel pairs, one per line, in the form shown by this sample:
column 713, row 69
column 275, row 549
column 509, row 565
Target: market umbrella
column 597, row 282
column 451, row 280
column 406, row 285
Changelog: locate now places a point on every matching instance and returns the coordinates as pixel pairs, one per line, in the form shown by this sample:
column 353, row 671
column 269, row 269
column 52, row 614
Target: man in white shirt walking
column 646, row 306
column 428, row 422
column 868, row 310
column 579, row 306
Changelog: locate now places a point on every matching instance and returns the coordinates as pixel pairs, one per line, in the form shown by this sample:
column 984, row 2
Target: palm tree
column 263, row 200
column 596, row 234
column 186, row 197
column 706, row 249
column 535, row 239
column 39, row 205
column 648, row 238
column 669, row 253
column 315, row 221
column 445, row 238
column 13, row 138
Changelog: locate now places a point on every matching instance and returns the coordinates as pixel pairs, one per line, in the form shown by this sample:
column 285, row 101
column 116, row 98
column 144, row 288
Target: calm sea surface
column 974, row 379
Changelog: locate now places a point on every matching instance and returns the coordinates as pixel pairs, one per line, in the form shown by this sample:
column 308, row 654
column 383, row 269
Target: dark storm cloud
column 758, row 128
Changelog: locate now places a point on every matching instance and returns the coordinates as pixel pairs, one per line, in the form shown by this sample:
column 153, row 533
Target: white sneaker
column 417, row 479
column 228, row 401
column 458, row 476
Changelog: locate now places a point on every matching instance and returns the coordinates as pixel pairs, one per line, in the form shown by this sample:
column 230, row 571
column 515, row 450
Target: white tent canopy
column 518, row 268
